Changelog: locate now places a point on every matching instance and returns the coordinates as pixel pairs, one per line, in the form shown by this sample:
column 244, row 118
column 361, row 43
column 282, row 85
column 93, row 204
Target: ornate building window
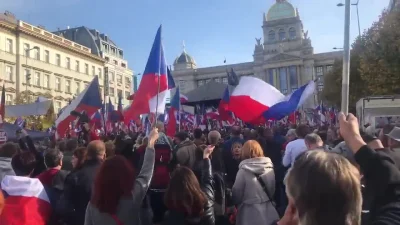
column 200, row 83
column 225, row 80
column 207, row 81
column 271, row 73
column 292, row 33
column 282, row 34
column 218, row 80
column 319, row 70
column 271, row 35
column 293, row 77
column 283, row 80
column 329, row 68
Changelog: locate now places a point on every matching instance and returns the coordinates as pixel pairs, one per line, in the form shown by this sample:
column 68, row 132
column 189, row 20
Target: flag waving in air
column 88, row 100
column 152, row 92
column 173, row 114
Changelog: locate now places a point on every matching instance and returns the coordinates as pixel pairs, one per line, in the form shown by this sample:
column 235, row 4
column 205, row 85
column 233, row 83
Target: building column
column 277, row 78
column 298, row 76
column 289, row 87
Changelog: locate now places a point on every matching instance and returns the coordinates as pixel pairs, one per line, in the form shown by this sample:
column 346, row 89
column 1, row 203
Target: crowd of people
column 243, row 176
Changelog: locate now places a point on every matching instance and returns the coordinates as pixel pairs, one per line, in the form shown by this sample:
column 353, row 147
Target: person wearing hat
column 186, row 150
column 394, row 139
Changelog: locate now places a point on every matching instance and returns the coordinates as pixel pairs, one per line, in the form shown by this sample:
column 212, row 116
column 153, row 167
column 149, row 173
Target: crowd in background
column 285, row 175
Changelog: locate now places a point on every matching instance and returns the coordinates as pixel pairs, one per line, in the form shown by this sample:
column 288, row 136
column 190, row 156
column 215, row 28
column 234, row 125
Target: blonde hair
column 251, row 149
column 325, row 188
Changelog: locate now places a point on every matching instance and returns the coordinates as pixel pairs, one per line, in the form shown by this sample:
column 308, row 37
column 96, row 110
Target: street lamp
column 28, row 76
column 358, row 15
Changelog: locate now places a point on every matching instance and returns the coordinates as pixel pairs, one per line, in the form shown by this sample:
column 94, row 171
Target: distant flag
column 2, row 105
column 88, row 100
column 20, row 122
column 184, row 98
column 171, row 82
column 224, row 104
column 173, row 114
column 153, row 89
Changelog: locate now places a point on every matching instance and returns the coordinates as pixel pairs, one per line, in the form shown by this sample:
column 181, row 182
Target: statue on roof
column 258, row 40
column 233, row 79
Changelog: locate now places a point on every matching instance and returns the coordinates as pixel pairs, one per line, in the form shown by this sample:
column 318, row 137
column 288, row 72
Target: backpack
column 161, row 174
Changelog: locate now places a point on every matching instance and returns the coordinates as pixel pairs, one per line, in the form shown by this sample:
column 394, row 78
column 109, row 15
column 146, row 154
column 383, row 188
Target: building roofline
column 45, row 35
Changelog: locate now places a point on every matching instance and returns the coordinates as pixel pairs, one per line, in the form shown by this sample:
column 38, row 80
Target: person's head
column 236, row 150
column 372, row 141
column 302, row 130
column 113, row 181
column 236, row 131
column 71, row 145
column 96, row 150
column 197, row 133
column 139, row 141
column 268, row 133
column 324, row 188
column 330, row 134
column 291, row 135
column 313, row 141
column 247, row 133
column 23, row 164
column 62, row 145
column 110, row 149
column 184, row 193
column 78, row 157
column 160, row 126
column 8, row 150
column 251, row 149
column 394, row 138
column 383, row 134
column 214, row 137
column 180, row 137
column 53, row 158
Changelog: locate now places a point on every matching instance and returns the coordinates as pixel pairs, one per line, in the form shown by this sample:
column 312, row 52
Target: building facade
column 35, row 62
column 120, row 80
column 284, row 57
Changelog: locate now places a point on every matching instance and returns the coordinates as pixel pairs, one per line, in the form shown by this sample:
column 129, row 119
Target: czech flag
column 291, row 102
column 173, row 114
column 152, row 93
column 224, row 113
column 252, row 97
column 89, row 100
column 26, row 201
column 255, row 101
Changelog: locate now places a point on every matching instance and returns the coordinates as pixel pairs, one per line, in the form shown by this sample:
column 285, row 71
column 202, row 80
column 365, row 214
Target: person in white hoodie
column 254, row 187
column 7, row 151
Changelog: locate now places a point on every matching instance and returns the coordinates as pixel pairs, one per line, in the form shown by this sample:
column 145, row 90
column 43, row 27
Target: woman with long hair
column 78, row 157
column 117, row 196
column 189, row 202
column 254, row 187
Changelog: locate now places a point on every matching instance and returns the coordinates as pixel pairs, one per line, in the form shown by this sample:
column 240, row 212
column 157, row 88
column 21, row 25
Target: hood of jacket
column 258, row 165
column 5, row 166
column 185, row 143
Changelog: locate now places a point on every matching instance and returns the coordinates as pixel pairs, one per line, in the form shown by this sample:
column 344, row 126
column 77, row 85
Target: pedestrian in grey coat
column 128, row 210
column 254, row 205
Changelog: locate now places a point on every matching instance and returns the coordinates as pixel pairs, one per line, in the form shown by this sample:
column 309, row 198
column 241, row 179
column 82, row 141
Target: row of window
column 218, row 80
column 115, row 62
column 282, row 34
column 319, row 72
column 287, row 77
column 112, row 50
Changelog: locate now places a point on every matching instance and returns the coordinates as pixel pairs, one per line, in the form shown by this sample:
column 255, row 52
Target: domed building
column 283, row 57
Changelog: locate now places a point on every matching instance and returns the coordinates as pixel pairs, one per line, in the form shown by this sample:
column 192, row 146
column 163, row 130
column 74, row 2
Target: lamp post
column 135, row 85
column 358, row 15
column 28, row 76
column 336, row 48
column 346, row 61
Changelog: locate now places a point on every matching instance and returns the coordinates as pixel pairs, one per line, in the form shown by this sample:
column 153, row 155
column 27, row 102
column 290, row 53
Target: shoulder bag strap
column 264, row 187
column 116, row 219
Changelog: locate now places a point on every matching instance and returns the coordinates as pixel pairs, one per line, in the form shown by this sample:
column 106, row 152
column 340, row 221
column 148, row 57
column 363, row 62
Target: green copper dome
column 184, row 58
column 281, row 10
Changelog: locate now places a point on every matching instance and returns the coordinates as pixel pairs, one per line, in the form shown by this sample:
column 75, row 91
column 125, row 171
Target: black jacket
column 207, row 218
column 77, row 193
column 382, row 181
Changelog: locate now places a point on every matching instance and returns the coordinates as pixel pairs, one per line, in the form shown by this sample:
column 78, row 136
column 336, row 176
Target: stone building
column 284, row 57
column 120, row 78
column 35, row 62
